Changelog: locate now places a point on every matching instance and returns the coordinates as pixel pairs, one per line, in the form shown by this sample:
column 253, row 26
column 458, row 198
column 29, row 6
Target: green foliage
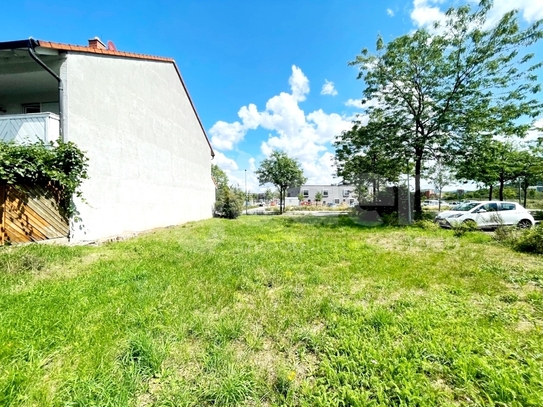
column 229, row 203
column 142, row 357
column 426, row 224
column 434, row 93
column 295, row 311
column 61, row 165
column 390, row 219
column 531, row 240
column 219, row 176
column 282, row 171
column 462, row 228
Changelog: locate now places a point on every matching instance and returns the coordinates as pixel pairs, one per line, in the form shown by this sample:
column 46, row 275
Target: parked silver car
column 487, row 215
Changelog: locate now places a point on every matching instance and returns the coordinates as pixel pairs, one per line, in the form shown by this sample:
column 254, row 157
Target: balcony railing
column 29, row 128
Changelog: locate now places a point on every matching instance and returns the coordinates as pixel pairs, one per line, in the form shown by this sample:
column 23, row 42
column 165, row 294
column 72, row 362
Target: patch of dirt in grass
column 182, row 364
column 402, row 242
column 270, row 360
column 61, row 271
column 146, row 399
column 527, row 326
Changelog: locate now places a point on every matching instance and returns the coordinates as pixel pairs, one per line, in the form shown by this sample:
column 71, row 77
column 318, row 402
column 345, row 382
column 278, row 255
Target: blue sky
column 262, row 74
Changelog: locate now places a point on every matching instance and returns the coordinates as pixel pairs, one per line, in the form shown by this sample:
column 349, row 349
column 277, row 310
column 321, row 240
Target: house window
column 306, row 193
column 325, row 193
column 346, row 192
column 351, row 200
column 31, row 108
column 336, row 200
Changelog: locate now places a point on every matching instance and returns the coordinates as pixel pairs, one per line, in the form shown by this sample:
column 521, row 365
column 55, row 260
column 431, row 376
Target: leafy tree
column 229, row 203
column 229, row 199
column 318, row 196
column 490, row 163
column 530, row 169
column 268, row 195
column 439, row 176
column 282, row 171
column 439, row 90
column 362, row 159
column 300, row 197
column 219, row 176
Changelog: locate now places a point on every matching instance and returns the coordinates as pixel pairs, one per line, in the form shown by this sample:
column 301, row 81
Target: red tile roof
column 80, row 48
column 91, row 50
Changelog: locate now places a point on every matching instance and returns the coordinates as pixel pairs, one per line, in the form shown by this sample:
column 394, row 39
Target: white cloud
column 328, row 88
column 225, row 135
column 354, row 103
column 224, row 162
column 426, row 12
column 535, row 134
column 529, row 10
column 299, row 84
column 390, row 12
column 307, row 138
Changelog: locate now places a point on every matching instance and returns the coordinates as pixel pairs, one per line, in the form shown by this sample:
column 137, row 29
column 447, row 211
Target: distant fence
column 29, row 214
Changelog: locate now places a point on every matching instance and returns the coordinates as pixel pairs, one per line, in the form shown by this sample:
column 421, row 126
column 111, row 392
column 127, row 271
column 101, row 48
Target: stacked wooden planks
column 30, row 213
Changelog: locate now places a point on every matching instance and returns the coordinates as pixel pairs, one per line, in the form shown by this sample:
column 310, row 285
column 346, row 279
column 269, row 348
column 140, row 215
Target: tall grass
column 273, row 311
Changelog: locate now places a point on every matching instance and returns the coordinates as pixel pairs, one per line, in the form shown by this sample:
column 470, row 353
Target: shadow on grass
column 332, row 222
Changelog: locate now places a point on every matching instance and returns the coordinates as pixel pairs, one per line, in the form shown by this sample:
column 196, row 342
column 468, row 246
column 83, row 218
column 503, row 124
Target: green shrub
column 426, row 224
column 464, row 227
column 505, row 234
column 229, row 203
column 390, row 219
column 530, row 241
column 62, row 166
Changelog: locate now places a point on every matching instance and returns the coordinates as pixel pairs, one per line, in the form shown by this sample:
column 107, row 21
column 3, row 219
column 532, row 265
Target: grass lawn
column 266, row 311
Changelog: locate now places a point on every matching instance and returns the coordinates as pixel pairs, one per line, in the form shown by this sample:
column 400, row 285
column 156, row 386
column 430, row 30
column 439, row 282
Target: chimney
column 96, row 43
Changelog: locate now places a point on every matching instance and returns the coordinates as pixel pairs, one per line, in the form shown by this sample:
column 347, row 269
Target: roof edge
column 29, row 43
column 193, row 107
column 32, row 43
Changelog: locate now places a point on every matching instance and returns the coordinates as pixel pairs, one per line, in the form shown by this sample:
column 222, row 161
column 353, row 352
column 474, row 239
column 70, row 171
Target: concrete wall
column 149, row 161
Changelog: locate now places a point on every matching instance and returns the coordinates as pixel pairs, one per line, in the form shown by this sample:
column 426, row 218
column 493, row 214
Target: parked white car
column 487, row 215
column 434, row 202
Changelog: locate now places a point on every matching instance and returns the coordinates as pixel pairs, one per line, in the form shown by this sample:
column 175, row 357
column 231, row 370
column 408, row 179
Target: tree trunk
column 525, row 190
column 490, row 189
column 280, row 201
column 502, row 183
column 418, row 206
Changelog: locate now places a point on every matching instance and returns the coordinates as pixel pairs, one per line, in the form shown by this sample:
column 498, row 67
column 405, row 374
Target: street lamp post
column 408, row 197
column 246, row 197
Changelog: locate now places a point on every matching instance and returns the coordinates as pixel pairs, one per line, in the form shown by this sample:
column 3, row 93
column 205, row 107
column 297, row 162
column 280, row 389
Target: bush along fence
column 37, row 184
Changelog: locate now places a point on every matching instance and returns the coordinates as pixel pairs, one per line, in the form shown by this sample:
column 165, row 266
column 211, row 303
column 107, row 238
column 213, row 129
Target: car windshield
column 466, row 206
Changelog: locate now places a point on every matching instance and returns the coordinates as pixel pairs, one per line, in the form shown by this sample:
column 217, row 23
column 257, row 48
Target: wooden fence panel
column 29, row 214
column 2, row 204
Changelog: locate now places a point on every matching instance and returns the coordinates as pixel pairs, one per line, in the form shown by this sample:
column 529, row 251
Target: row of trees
column 278, row 169
column 450, row 99
column 440, row 104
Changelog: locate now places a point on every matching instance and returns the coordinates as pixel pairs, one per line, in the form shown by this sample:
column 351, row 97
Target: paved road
column 263, row 211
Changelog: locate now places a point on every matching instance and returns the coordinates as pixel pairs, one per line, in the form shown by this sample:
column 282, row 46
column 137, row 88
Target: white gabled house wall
column 149, row 156
column 149, row 159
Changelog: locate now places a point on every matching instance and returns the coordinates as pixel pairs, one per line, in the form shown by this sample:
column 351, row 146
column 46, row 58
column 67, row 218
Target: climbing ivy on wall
column 62, row 166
